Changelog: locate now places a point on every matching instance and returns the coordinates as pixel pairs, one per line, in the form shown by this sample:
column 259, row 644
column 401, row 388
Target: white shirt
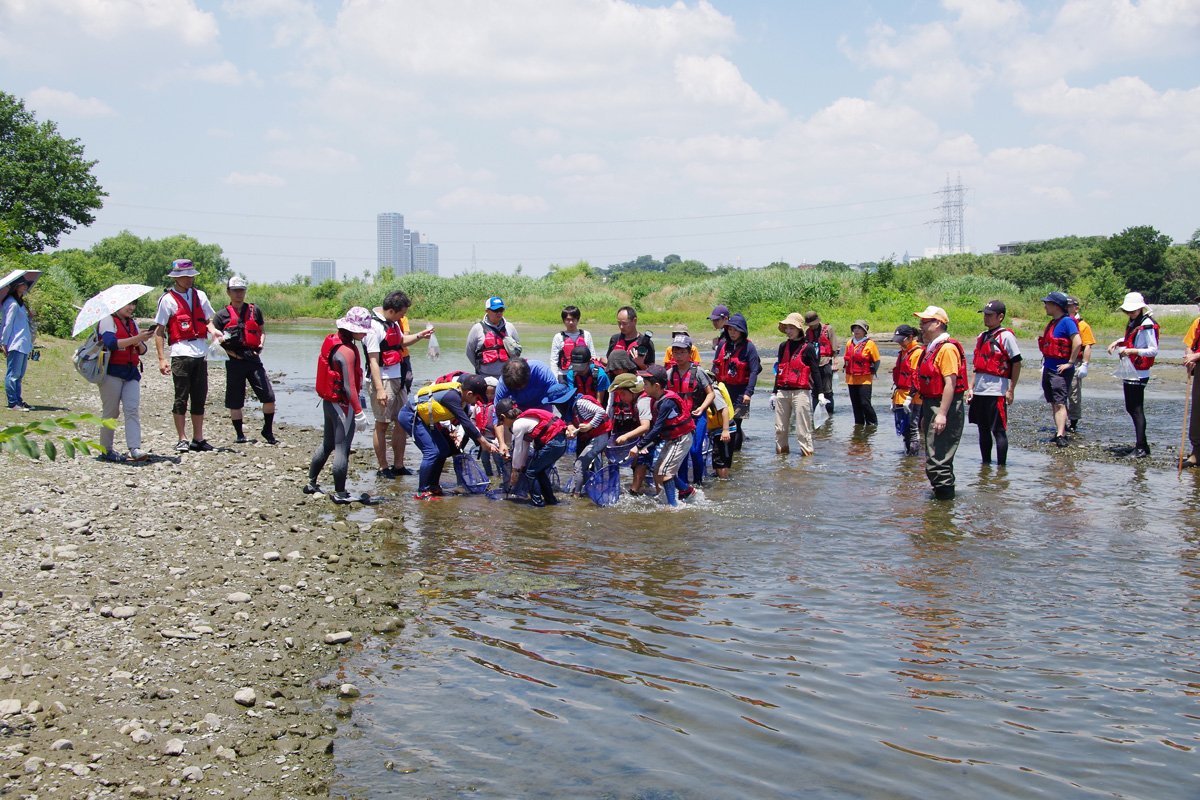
column 373, row 340
column 194, row 348
column 520, row 445
column 556, row 347
column 994, row 385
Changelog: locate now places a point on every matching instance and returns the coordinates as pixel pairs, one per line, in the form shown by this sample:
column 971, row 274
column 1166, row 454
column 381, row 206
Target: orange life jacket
column 125, row 356
column 187, row 323
column 857, row 360
column 1052, row 346
column 330, row 381
column 990, row 358
column 1131, row 332
column 930, row 378
column 793, row 372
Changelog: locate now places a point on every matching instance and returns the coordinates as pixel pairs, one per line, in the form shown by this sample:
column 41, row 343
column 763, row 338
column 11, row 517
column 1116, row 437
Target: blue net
column 902, row 416
column 604, row 486
column 470, row 474
column 617, row 454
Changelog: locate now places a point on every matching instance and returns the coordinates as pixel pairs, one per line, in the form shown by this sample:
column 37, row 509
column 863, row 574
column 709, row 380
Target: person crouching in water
column 538, row 440
column 420, row 418
column 487, row 429
column 590, row 427
column 339, row 382
column 672, row 426
column 630, row 410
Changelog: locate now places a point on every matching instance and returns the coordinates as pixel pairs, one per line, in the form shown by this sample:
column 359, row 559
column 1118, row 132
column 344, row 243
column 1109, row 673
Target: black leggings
column 335, row 440
column 990, row 413
column 860, row 402
column 1135, row 398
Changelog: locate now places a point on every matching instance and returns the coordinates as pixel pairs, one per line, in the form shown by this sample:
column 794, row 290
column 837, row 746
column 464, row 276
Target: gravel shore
column 162, row 623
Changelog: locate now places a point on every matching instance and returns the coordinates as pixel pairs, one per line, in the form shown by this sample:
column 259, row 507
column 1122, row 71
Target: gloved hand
column 772, row 403
column 1081, row 370
column 822, row 399
column 907, row 403
column 360, row 421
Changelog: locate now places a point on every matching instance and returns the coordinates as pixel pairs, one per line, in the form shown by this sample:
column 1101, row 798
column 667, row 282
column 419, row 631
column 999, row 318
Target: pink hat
column 357, row 320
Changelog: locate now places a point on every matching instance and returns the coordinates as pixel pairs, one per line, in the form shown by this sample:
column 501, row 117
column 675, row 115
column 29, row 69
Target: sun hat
column 860, row 323
column 934, row 312
column 1133, row 302
column 357, row 320
column 182, row 268
column 994, row 307
column 1060, row 299
column 678, row 327
column 581, row 354
column 492, row 381
column 794, row 319
column 236, row 282
column 810, row 317
column 682, row 340
column 474, row 384
column 1072, row 300
column 627, row 381
column 620, row 359
column 903, row 332
column 719, row 312
column 495, row 304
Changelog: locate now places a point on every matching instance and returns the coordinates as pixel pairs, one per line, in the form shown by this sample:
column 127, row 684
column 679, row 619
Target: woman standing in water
column 339, row 382
column 1140, row 346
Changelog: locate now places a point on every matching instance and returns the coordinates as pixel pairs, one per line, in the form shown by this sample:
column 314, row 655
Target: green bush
column 53, row 307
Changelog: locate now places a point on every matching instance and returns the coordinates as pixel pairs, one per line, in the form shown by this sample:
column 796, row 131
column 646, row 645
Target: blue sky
column 539, row 133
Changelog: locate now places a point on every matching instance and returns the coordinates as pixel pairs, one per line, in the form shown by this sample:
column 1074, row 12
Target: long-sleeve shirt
column 342, row 363
column 475, row 342
column 755, row 363
column 15, row 333
column 787, row 349
column 665, row 409
column 1145, row 342
column 521, row 443
column 451, row 400
column 556, row 347
column 542, row 391
column 586, row 412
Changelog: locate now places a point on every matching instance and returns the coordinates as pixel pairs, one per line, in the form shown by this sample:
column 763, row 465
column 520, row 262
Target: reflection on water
column 811, row 628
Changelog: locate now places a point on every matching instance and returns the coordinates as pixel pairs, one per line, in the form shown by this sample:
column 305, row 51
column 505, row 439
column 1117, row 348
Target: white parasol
column 30, row 275
column 107, row 303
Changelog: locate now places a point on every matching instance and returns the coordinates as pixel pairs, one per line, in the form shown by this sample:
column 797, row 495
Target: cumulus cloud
column 1120, row 99
column 113, row 19
column 467, row 197
column 257, row 179
column 1039, row 159
column 223, row 72
column 713, row 80
column 57, row 103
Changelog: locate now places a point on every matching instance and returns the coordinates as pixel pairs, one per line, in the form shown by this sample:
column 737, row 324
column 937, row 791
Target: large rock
column 245, row 697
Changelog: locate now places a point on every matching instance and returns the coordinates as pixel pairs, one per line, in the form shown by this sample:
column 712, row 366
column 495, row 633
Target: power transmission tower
column 951, row 238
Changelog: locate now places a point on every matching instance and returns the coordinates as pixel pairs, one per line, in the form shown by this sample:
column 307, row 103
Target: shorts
column 239, row 372
column 1056, row 388
column 397, row 397
column 190, row 376
column 671, row 454
column 722, row 452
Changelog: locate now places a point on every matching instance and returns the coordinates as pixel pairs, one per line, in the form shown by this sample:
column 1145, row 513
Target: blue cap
column 495, row 304
column 1058, row 298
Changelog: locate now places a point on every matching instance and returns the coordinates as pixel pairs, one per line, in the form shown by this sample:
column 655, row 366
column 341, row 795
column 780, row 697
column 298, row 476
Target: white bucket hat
column 357, row 320
column 1133, row 302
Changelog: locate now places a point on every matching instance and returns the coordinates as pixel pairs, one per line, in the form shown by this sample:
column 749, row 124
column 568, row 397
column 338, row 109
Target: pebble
column 226, row 753
column 245, row 697
column 175, row 633
column 383, row 524
column 388, row 625
column 271, row 556
column 173, row 747
column 5, row 673
column 340, row 527
column 194, row 774
column 63, row 744
column 46, row 566
column 342, row 637
column 11, row 706
column 145, row 534
column 293, row 556
column 141, row 736
column 212, row 721
column 348, row 690
column 124, row 612
column 33, row 764
column 239, row 597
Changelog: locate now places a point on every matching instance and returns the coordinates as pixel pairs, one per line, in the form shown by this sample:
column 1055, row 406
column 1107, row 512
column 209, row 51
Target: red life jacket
column 548, row 426
column 586, row 382
column 687, row 386
column 391, row 347
column 625, row 415
column 989, row 357
column 570, row 342
column 251, row 332
column 187, row 323
column 483, row 417
column 603, row 427
column 449, row 377
column 857, row 360
column 824, row 337
column 330, row 384
column 794, row 373
column 1051, row 346
column 931, row 380
column 904, row 374
column 681, row 425
column 631, row 345
column 730, row 363
column 125, row 356
column 492, row 349
column 1131, row 331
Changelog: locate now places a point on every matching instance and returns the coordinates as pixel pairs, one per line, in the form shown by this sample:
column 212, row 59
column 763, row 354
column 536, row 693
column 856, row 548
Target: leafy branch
column 16, row 439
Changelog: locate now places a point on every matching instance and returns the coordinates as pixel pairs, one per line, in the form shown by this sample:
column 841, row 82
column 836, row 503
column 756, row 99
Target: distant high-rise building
column 323, row 269
column 392, row 246
column 425, row 256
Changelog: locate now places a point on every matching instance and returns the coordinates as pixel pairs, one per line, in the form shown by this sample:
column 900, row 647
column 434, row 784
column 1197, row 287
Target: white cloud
column 257, row 179
column 958, row 150
column 223, row 72
column 1120, row 99
column 714, row 80
column 541, row 137
column 315, row 159
column 467, row 197
column 436, row 164
column 113, row 19
column 1041, row 159
column 56, row 103
column 575, row 163
column 987, row 16
column 1057, row 194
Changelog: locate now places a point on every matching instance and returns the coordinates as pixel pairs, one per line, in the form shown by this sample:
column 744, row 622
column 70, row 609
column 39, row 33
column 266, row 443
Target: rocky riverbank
column 162, row 623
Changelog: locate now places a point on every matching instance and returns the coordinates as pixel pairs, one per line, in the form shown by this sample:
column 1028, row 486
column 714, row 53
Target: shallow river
column 809, row 629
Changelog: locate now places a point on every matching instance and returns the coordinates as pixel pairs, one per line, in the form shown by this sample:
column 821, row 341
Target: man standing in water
column 492, row 341
column 242, row 325
column 638, row 345
column 1060, row 344
column 942, row 379
column 997, row 363
column 184, row 320
column 387, row 359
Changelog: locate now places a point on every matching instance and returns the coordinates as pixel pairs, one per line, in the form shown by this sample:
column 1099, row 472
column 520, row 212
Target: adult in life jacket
column 586, row 374
column 539, row 439
column 1138, row 347
column 1086, row 339
column 339, row 383
column 121, row 387
column 671, row 427
column 942, row 382
column 389, row 366
column 827, row 349
column 737, row 365
column 797, row 367
column 1059, row 344
column 422, row 416
column 492, row 341
column 566, row 340
column 1191, row 354
column 997, row 364
column 695, row 388
column 591, row 427
column 242, row 325
column 719, row 420
column 906, row 397
column 184, row 323
column 639, row 346
column 860, row 365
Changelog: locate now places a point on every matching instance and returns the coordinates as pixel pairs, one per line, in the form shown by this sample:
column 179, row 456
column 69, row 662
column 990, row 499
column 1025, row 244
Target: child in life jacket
column 671, row 427
column 482, row 414
column 538, row 440
column 590, row 426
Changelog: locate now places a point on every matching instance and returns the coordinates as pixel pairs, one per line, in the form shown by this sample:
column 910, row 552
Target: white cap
column 237, row 282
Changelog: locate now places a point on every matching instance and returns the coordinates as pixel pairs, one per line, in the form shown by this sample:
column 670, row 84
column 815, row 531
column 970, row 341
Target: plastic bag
column 820, row 415
column 216, row 352
column 902, row 415
column 435, row 352
column 1126, row 371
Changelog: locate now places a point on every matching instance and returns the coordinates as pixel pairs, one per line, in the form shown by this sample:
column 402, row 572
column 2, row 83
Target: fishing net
column 470, row 474
column 617, row 453
column 604, row 485
column 902, row 415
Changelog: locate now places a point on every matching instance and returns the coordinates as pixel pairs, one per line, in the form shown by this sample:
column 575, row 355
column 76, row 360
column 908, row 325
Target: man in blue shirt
column 1060, row 344
column 531, row 384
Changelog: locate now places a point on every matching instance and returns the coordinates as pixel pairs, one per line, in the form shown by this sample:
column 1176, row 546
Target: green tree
column 1194, row 242
column 778, row 265
column 385, row 275
column 46, row 186
column 580, row 269
column 1138, row 256
column 1182, row 284
column 149, row 260
column 833, row 266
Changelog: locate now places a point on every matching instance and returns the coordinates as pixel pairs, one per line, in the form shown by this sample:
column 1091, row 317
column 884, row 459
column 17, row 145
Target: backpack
column 91, row 358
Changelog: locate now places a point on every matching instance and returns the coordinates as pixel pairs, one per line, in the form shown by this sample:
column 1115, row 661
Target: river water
column 812, row 629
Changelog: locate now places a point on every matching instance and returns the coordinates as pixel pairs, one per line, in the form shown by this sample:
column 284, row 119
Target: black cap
column 903, row 332
column 994, row 307
column 580, row 354
column 476, row 384
column 505, row 407
column 656, row 373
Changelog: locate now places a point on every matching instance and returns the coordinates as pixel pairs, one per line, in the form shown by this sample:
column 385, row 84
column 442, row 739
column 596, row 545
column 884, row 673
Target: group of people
column 660, row 418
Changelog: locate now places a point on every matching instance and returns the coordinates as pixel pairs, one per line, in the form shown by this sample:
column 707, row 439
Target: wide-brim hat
column 627, row 381
column 1060, row 299
column 933, row 312
column 357, row 320
column 860, row 323
column 794, row 319
column 182, row 268
column 1133, row 302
